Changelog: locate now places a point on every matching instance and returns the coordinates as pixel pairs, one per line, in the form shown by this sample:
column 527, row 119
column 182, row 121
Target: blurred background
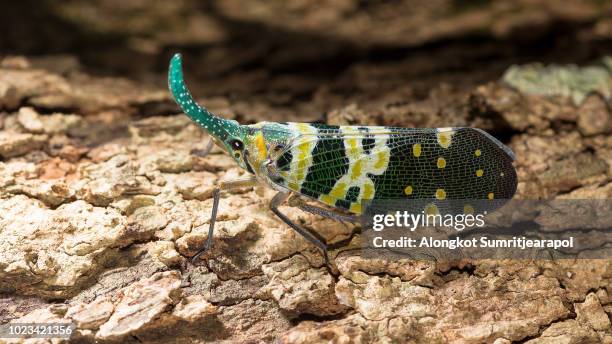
column 302, row 58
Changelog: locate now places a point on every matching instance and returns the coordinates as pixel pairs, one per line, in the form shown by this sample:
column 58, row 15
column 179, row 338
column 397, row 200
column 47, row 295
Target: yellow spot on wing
column 356, row 173
column 327, row 199
column 477, row 152
column 368, row 190
column 355, row 208
column 490, row 195
column 479, row 173
column 352, row 143
column 431, row 209
column 383, row 160
column 339, row 191
column 440, row 194
column 416, row 150
column 444, row 136
column 408, row 190
column 441, row 162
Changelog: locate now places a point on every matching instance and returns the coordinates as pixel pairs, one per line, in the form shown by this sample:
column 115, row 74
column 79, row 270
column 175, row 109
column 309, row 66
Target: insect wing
column 342, row 166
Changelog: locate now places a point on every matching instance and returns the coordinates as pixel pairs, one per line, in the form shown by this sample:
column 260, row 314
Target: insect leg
column 232, row 184
column 209, row 147
column 204, row 152
column 280, row 198
column 330, row 214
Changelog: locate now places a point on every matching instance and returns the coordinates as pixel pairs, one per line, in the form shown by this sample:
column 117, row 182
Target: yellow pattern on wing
column 360, row 165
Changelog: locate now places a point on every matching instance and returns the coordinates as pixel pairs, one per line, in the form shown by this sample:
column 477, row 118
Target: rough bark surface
column 104, row 194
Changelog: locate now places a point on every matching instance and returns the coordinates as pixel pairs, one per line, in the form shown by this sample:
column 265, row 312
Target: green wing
column 343, row 166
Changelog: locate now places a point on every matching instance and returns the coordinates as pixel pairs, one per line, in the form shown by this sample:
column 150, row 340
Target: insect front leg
column 280, row 198
column 228, row 185
column 204, row 152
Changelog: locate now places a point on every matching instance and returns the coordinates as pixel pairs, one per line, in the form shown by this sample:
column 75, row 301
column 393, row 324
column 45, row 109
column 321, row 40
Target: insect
column 343, row 166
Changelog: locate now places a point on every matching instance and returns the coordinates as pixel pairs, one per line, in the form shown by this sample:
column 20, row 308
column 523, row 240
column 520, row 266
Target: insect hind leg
column 312, row 238
column 330, row 214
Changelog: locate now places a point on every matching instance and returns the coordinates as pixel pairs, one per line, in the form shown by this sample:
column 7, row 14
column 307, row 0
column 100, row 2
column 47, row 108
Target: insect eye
column 237, row 145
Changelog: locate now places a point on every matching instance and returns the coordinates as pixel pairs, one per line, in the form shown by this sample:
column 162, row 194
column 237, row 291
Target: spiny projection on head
column 345, row 167
column 216, row 126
